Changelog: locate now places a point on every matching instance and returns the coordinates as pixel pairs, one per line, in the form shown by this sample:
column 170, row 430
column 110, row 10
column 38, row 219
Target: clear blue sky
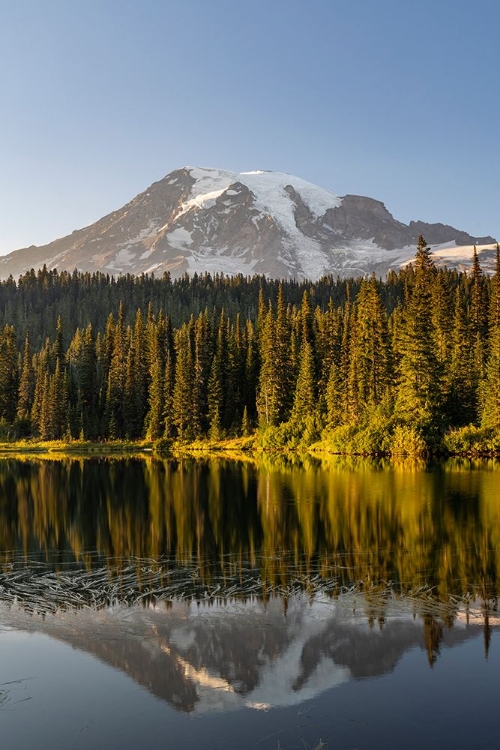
column 395, row 99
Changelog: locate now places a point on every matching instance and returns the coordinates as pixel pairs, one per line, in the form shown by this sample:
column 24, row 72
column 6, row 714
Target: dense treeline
column 39, row 299
column 409, row 364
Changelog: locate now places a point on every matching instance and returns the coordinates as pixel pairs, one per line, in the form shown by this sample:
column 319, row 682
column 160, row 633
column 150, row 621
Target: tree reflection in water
column 385, row 537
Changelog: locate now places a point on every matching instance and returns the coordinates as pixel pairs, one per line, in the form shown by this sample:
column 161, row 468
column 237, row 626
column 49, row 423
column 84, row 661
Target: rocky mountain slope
column 251, row 223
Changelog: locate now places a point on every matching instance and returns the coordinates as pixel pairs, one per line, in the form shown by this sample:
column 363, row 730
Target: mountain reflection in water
column 218, row 584
column 220, row 657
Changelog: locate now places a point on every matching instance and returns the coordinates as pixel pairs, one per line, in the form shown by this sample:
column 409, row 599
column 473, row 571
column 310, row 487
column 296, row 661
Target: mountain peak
column 206, row 219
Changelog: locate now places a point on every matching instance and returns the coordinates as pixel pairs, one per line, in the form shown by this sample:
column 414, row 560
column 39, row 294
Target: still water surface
column 218, row 604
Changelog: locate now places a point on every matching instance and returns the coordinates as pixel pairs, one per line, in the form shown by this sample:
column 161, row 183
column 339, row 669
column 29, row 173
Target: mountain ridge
column 259, row 222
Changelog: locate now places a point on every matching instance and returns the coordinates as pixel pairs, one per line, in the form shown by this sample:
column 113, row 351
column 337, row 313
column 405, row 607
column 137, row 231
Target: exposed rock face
column 252, row 223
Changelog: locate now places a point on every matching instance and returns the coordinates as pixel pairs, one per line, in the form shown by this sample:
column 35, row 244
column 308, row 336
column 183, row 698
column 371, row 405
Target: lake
column 267, row 605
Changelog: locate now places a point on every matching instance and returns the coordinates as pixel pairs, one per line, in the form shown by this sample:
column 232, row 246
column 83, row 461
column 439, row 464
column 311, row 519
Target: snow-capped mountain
column 251, row 223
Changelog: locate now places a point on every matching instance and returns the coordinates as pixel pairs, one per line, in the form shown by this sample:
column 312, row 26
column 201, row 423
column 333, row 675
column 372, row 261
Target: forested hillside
column 409, row 364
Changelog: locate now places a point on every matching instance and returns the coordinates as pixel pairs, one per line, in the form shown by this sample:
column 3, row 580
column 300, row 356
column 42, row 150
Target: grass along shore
column 468, row 441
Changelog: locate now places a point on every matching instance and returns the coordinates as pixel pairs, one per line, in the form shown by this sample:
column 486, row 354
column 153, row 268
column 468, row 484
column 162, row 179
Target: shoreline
column 230, row 448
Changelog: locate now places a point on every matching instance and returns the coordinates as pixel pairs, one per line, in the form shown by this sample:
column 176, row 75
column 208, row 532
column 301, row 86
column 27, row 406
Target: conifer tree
column 494, row 318
column 284, row 392
column 168, row 396
column 45, row 415
column 478, row 316
column 82, row 362
column 460, row 379
column 59, row 402
column 203, row 351
column 156, row 394
column 345, row 369
column 54, row 409
column 41, row 367
column 26, row 383
column 245, row 423
column 9, row 374
column 490, row 387
column 370, row 348
column 268, row 385
column 58, row 347
column 116, row 381
column 88, row 386
column 215, row 397
column 251, row 375
column 307, row 322
column 442, row 318
column 328, row 343
column 305, row 390
column 155, row 422
column 334, row 396
column 139, row 360
column 353, row 406
column 419, row 387
column 275, row 393
column 130, row 408
column 185, row 415
column 235, row 376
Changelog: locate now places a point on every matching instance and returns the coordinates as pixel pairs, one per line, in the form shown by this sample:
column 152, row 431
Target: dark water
column 218, row 604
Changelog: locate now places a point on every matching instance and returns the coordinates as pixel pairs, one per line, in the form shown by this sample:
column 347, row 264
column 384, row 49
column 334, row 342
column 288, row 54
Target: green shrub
column 371, row 436
column 471, row 439
column 292, row 435
column 407, row 441
column 340, row 439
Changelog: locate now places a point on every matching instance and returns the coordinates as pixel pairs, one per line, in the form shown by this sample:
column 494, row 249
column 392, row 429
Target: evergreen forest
column 410, row 364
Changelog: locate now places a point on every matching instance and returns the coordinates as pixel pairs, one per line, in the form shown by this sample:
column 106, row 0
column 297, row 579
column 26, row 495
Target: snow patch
column 205, row 200
column 449, row 253
column 312, row 258
column 148, row 231
column 452, row 251
column 179, row 239
column 123, row 257
column 216, row 262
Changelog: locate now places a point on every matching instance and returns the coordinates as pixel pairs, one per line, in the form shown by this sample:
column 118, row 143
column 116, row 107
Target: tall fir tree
column 418, row 399
column 460, row 382
column 116, row 381
column 304, row 404
column 490, row 386
column 371, row 347
column 478, row 316
column 26, row 383
column 9, row 374
column 185, row 405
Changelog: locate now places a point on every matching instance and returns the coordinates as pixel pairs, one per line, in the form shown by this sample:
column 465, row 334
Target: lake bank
column 246, row 448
